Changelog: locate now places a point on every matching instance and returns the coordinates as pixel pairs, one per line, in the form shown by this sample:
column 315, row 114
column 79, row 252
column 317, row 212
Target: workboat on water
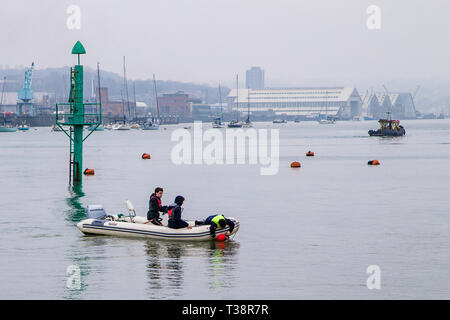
column 99, row 223
column 388, row 128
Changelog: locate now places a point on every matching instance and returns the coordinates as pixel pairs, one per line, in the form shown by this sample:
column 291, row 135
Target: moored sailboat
column 248, row 123
column 217, row 123
column 236, row 123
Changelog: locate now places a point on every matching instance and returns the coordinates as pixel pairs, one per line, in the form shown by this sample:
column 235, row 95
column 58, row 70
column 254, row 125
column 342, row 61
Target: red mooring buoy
column 373, row 163
column 89, row 172
column 295, row 164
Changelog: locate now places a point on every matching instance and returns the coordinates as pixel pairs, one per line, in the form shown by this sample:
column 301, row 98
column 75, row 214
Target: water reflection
column 167, row 261
column 80, row 267
column 153, row 264
column 76, row 210
column 175, row 265
column 222, row 264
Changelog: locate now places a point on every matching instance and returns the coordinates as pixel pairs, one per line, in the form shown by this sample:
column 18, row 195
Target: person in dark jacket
column 174, row 213
column 155, row 207
column 217, row 221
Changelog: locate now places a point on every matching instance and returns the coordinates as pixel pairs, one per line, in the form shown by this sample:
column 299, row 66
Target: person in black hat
column 174, row 213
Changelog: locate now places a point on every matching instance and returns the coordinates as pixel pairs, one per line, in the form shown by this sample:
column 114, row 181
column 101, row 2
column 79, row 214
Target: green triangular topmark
column 78, row 48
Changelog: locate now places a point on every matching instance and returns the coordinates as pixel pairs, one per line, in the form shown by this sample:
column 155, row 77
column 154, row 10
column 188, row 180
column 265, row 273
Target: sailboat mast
column 92, row 89
column 126, row 85
column 220, row 99
column 123, row 105
column 98, row 79
column 248, row 105
column 3, row 91
column 134, row 94
column 237, row 98
column 156, row 96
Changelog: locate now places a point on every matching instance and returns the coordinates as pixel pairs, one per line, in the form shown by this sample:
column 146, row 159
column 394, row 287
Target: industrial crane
column 26, row 95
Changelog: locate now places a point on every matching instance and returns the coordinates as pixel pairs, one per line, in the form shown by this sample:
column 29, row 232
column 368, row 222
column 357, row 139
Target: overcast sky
column 296, row 42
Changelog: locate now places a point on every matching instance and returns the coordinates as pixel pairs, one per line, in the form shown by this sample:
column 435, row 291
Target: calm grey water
column 305, row 233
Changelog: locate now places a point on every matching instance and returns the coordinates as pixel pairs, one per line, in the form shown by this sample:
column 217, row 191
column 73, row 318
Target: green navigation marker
column 76, row 114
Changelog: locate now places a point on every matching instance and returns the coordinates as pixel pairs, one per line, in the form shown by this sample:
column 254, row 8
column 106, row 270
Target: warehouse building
column 403, row 105
column 399, row 104
column 306, row 103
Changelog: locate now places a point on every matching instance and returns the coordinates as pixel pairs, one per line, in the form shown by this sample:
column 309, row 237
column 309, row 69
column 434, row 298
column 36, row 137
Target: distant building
column 200, row 111
column 141, row 108
column 384, row 105
column 403, row 105
column 370, row 105
column 399, row 104
column 42, row 101
column 340, row 102
column 176, row 104
column 112, row 108
column 254, row 78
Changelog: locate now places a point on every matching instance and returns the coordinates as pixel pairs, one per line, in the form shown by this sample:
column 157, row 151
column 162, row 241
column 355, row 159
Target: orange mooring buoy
column 89, row 172
column 310, row 154
column 373, row 162
column 295, row 164
column 146, row 156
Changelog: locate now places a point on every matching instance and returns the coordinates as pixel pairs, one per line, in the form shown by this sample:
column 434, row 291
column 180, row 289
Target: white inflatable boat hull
column 141, row 230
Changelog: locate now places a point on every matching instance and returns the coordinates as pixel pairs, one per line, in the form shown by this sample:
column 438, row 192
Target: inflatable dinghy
column 100, row 223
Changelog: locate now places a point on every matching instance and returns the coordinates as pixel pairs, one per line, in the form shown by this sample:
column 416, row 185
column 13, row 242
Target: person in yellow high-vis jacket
column 217, row 221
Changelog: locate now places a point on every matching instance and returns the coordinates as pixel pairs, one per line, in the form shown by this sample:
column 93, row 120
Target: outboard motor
column 95, row 211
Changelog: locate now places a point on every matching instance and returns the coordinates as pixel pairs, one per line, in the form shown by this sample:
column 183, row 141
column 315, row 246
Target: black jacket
column 175, row 221
column 154, row 207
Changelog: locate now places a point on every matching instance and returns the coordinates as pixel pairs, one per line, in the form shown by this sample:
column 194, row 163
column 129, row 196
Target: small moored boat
column 218, row 123
column 96, row 128
column 150, row 126
column 327, row 121
column 121, row 126
column 7, row 129
column 56, row 128
column 23, row 127
column 235, row 124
